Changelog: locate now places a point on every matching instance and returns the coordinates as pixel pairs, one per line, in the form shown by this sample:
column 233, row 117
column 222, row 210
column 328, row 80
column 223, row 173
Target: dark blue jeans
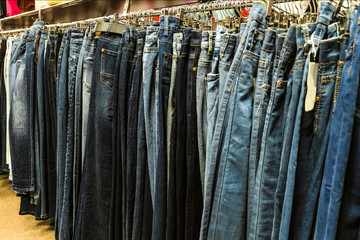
column 3, row 115
column 94, row 216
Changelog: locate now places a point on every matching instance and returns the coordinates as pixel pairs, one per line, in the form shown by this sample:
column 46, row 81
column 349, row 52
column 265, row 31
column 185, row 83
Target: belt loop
column 210, row 42
column 109, row 27
column 166, row 25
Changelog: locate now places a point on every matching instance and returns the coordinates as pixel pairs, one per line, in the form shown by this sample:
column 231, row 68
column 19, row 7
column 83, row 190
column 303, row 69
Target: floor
column 12, row 225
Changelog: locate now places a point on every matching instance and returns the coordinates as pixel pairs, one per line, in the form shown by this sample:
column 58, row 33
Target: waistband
column 195, row 38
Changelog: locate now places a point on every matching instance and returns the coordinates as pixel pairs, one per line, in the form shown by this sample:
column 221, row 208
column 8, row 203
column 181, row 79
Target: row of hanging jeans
column 180, row 133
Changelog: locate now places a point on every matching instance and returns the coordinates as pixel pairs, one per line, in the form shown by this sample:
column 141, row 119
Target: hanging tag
column 311, row 82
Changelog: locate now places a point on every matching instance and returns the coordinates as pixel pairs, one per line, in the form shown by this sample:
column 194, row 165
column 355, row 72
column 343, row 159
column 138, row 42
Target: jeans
column 261, row 100
column 94, row 216
column 303, row 33
column 65, row 222
column 338, row 153
column 50, row 121
column 271, row 143
column 22, row 113
column 326, row 11
column 77, row 135
column 171, row 141
column 204, row 67
column 88, row 65
column 212, row 98
column 193, row 189
column 3, row 116
column 150, row 54
column 181, row 133
column 41, row 124
column 226, row 218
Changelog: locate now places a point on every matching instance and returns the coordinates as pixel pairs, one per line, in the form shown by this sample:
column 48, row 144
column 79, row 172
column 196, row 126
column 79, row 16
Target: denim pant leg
column 50, row 126
column 40, row 99
column 132, row 124
column 151, row 51
column 86, row 89
column 303, row 33
column 3, row 116
column 193, row 189
column 271, row 143
column 228, row 214
column 212, row 112
column 204, row 67
column 349, row 213
column 77, row 167
column 310, row 166
column 261, row 100
column 339, row 148
column 171, row 142
column 19, row 130
column 61, row 110
column 180, row 160
column 94, row 218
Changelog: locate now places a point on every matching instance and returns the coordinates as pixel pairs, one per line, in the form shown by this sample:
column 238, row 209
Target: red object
column 12, row 8
column 157, row 18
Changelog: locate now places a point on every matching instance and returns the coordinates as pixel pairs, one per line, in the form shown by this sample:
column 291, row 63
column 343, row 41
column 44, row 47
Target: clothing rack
column 179, row 11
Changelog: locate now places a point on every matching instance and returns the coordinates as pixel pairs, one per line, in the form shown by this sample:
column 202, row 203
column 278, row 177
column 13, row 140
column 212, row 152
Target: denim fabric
column 261, row 100
column 132, row 125
column 65, row 222
column 22, row 116
column 226, row 218
column 41, row 118
column 61, row 112
column 171, row 142
column 338, row 153
column 204, row 67
column 94, row 217
column 349, row 213
column 77, row 135
column 50, row 122
column 181, row 133
column 168, row 25
column 88, row 65
column 120, row 126
column 142, row 221
column 226, row 56
column 326, row 11
column 3, row 116
column 150, row 55
column 310, row 163
column 303, row 33
column 10, row 43
column 271, row 143
column 193, row 189
column 213, row 97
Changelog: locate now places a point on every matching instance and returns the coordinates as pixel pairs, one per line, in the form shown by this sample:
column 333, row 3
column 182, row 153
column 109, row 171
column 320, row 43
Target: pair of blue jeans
column 321, row 32
column 303, row 33
column 342, row 132
column 22, row 91
column 224, row 214
column 260, row 103
column 95, row 208
column 204, row 67
column 271, row 144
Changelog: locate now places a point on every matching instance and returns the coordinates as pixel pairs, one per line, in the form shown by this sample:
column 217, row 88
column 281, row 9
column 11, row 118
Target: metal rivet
column 157, row 72
column 317, row 99
column 278, row 83
column 265, row 86
column 103, row 50
column 194, row 68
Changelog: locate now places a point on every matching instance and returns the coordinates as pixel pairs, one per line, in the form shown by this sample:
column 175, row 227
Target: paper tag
column 311, row 83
